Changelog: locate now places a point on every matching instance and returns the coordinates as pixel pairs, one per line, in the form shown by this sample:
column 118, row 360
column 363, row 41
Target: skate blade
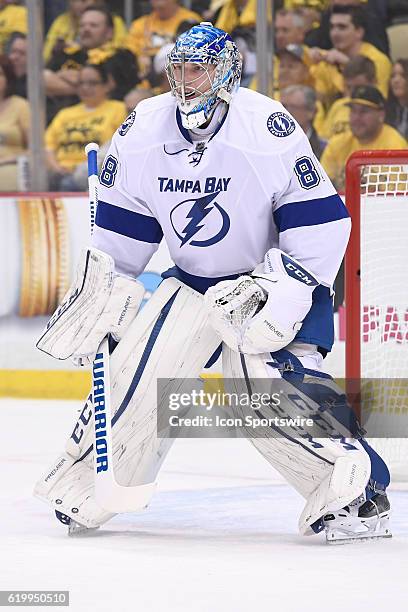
column 76, row 530
column 340, row 537
column 353, row 540
column 374, row 528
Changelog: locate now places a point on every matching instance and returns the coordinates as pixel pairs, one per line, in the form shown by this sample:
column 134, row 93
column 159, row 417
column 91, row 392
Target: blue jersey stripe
column 128, row 223
column 310, row 212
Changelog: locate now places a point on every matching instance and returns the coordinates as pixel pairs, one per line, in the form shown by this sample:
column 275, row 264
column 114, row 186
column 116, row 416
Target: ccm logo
column 300, row 274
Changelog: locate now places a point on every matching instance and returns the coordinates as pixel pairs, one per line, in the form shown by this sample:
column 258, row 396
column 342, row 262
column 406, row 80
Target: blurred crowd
column 340, row 67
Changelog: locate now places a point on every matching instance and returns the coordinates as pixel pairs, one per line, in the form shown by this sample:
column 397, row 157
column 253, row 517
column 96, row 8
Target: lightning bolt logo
column 280, row 124
column 198, row 212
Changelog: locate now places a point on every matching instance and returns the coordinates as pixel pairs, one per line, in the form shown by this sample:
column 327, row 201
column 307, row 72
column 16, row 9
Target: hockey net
column 377, row 298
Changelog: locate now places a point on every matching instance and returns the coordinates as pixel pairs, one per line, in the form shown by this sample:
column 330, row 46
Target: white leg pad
column 328, row 473
column 175, row 346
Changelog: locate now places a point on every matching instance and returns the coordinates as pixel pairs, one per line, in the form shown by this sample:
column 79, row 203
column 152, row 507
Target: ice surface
column 220, row 535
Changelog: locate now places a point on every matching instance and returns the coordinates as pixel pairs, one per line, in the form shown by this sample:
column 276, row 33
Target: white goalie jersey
column 223, row 202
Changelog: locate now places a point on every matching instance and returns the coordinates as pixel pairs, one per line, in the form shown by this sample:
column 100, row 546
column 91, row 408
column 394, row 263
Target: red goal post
column 354, row 190
column 376, row 292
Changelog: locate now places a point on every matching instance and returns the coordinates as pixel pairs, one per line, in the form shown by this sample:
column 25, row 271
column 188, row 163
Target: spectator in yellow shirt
column 367, row 131
column 347, row 27
column 150, row 32
column 95, row 47
column 359, row 70
column 64, row 31
column 14, row 127
column 12, row 19
column 94, row 119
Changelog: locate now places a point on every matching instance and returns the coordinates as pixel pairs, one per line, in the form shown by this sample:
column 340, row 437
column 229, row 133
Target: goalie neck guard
column 203, row 68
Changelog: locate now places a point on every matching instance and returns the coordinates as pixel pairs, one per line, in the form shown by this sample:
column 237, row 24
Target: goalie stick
column 109, row 494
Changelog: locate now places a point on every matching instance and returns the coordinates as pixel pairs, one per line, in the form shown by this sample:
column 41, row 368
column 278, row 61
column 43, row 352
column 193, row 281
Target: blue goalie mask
column 203, row 68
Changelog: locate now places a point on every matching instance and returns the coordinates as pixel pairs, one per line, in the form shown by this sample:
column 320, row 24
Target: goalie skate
column 359, row 521
column 74, row 528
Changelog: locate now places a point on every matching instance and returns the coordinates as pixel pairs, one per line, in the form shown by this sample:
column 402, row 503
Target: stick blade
column 116, row 498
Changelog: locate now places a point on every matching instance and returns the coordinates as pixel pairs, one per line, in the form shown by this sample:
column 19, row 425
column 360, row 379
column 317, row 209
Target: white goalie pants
column 171, row 339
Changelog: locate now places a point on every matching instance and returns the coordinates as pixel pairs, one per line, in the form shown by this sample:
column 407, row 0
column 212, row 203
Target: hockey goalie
column 257, row 234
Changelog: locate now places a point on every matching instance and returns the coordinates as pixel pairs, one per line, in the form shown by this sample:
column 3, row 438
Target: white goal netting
column 383, row 342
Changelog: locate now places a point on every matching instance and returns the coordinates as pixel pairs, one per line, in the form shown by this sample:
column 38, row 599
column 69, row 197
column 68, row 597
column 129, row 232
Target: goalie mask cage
column 377, row 298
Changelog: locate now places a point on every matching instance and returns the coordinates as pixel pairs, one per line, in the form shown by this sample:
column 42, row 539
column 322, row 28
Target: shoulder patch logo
column 127, row 124
column 280, row 124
